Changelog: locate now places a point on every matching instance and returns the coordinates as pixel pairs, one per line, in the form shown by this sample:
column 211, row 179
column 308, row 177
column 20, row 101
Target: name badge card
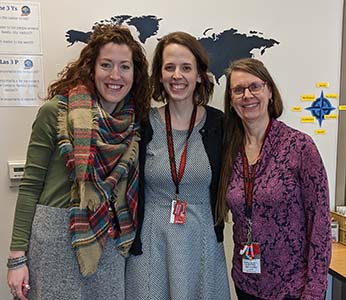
column 251, row 258
column 178, row 212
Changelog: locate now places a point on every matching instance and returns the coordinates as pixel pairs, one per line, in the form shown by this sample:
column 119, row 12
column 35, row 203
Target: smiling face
column 114, row 72
column 179, row 74
column 250, row 108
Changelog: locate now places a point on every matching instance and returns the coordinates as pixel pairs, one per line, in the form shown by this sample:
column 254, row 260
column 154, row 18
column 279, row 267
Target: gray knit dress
column 179, row 262
column 54, row 271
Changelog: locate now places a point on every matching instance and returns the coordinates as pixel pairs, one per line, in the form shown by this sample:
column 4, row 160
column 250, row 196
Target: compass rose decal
column 320, row 107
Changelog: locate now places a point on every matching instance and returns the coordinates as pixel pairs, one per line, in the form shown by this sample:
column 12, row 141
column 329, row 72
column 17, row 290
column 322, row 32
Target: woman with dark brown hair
column 180, row 251
column 76, row 213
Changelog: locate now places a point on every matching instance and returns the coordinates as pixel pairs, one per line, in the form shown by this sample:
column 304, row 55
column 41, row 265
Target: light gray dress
column 179, row 262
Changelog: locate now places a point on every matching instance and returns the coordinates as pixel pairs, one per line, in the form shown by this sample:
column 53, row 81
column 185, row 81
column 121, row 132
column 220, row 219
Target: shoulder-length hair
column 233, row 126
column 204, row 90
column 82, row 70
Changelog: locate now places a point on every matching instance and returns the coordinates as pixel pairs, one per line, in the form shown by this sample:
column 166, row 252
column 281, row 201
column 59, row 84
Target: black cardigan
column 212, row 136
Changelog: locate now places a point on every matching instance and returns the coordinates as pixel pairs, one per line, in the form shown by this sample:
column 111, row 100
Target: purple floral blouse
column 290, row 216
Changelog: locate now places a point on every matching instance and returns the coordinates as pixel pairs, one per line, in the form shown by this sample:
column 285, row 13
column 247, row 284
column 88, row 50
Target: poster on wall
column 21, row 80
column 20, row 28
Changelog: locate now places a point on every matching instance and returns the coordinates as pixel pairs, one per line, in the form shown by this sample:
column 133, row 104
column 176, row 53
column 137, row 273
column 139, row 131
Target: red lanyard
column 249, row 179
column 177, row 177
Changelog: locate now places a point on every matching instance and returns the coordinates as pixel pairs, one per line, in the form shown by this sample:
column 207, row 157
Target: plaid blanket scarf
column 101, row 155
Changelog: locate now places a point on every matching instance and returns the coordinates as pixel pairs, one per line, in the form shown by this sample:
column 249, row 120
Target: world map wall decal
column 222, row 48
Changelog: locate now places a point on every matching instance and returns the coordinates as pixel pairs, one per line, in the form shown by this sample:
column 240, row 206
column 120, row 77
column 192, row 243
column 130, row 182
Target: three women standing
column 82, row 175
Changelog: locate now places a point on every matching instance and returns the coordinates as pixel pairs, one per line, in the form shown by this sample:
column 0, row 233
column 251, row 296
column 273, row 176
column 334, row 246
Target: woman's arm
column 40, row 149
column 41, row 146
column 315, row 194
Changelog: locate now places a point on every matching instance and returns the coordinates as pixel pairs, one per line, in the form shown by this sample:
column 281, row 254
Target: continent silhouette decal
column 147, row 26
column 230, row 45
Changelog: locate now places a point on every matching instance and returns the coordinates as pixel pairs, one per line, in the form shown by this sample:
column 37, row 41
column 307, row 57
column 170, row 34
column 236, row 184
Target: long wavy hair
column 233, row 126
column 204, row 89
column 82, row 70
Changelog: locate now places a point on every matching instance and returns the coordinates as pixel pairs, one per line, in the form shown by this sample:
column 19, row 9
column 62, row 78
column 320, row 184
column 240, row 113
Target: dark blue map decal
column 320, row 107
column 222, row 47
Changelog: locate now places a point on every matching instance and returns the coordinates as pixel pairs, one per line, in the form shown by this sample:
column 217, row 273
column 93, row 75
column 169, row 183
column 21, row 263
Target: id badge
column 178, row 212
column 251, row 258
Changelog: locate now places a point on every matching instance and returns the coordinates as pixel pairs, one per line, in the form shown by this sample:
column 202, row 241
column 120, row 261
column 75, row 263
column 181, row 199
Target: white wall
column 309, row 33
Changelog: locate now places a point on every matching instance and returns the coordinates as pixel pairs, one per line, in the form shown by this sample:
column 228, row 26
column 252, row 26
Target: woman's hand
column 18, row 279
